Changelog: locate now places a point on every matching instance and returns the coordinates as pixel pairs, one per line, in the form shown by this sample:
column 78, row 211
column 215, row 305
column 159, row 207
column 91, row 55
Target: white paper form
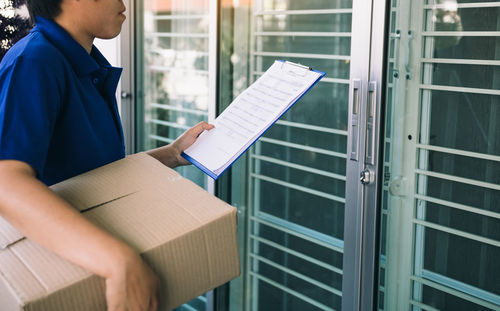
column 250, row 114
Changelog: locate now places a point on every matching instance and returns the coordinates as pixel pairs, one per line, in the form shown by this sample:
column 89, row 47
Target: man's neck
column 80, row 36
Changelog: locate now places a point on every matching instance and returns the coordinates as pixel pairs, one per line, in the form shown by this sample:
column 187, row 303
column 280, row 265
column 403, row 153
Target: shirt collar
column 82, row 62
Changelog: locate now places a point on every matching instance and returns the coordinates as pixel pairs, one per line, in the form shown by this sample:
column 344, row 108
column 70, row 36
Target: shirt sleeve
column 30, row 100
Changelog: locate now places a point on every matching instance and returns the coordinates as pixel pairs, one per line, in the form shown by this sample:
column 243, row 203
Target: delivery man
column 58, row 118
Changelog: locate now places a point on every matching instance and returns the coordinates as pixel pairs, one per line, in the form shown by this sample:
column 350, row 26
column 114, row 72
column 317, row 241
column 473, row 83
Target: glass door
column 324, row 216
column 296, row 180
column 440, row 222
column 295, row 189
column 306, row 218
column 175, row 74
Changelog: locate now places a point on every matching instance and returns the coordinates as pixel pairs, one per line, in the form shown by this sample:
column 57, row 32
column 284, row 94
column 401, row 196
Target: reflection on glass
column 440, row 239
column 175, row 52
column 173, row 69
column 295, row 175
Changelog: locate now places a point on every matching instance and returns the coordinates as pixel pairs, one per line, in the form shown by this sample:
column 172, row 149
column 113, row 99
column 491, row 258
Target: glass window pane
column 174, row 71
column 441, row 234
column 440, row 300
column 463, row 121
column 295, row 175
column 172, row 68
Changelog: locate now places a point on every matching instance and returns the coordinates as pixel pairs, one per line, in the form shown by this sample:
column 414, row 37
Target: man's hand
column 133, row 286
column 170, row 155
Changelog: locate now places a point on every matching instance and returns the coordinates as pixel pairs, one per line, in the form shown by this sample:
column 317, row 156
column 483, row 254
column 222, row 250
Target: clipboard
column 216, row 150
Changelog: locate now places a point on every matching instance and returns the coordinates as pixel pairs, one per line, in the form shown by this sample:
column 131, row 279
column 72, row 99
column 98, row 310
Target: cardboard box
column 186, row 235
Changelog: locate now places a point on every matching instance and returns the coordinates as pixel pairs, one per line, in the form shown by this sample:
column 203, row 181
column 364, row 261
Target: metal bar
column 460, row 286
column 371, row 124
column 334, row 80
column 355, row 102
column 213, row 70
column 455, row 293
column 165, row 68
column 299, row 188
column 454, row 61
column 302, row 12
column 177, row 35
column 161, row 138
column 131, row 106
column 158, row 50
column 301, row 34
column 202, row 299
column 302, row 147
column 339, row 244
column 188, row 307
column 459, row 89
column 308, row 234
column 422, row 306
column 459, row 179
column 464, row 5
column 323, row 80
column 456, row 232
column 299, row 167
column 172, row 17
column 461, row 33
column 170, row 124
column 298, row 275
column 312, row 127
column 180, row 109
column 254, row 188
column 303, row 55
column 291, row 292
column 477, row 155
column 463, row 207
column 297, row 254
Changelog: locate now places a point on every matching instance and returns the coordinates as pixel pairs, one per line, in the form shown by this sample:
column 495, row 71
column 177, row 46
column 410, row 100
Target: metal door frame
column 368, row 49
column 127, row 94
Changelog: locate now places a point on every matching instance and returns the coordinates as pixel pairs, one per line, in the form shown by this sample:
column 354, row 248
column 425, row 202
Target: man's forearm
column 44, row 217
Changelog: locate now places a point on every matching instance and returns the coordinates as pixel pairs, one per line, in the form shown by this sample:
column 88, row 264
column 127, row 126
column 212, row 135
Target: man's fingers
column 209, row 126
column 155, row 298
column 202, row 126
column 153, row 306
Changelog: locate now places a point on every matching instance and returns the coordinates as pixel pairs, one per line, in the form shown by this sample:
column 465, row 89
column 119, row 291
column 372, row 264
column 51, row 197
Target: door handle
column 371, row 123
column 355, row 101
column 407, row 60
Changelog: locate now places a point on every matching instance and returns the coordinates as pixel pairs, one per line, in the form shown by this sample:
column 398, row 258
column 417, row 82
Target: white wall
column 111, row 50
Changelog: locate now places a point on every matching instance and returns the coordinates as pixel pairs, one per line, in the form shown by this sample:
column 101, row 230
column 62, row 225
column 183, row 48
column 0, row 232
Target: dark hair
column 48, row 9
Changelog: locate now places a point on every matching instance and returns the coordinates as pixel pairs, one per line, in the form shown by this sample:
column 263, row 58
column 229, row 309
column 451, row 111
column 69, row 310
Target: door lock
column 366, row 177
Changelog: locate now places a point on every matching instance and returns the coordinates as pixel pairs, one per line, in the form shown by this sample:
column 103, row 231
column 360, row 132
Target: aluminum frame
column 360, row 42
column 361, row 211
column 127, row 94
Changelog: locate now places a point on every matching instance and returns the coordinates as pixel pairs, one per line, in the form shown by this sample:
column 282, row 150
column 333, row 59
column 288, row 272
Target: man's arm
column 44, row 217
column 170, row 155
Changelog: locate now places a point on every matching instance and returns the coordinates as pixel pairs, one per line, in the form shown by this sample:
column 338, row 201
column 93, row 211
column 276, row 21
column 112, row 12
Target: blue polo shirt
column 58, row 109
